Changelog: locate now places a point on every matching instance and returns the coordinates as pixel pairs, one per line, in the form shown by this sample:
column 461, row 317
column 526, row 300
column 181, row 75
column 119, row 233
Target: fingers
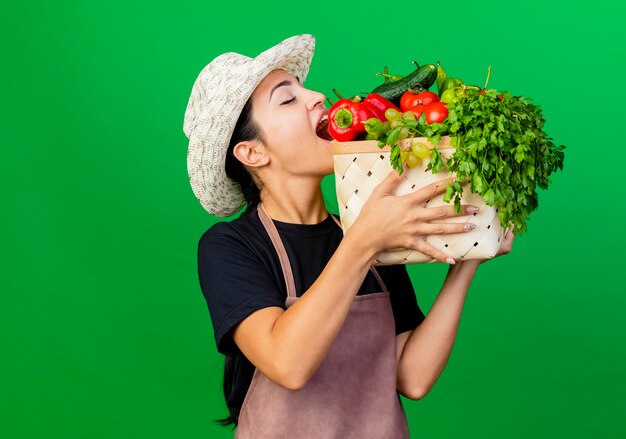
column 429, row 191
column 443, row 228
column 423, row 246
column 442, row 212
column 509, row 236
column 390, row 182
column 507, row 240
column 508, row 232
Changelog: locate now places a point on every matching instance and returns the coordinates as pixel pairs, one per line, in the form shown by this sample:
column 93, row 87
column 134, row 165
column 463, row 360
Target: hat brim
column 218, row 97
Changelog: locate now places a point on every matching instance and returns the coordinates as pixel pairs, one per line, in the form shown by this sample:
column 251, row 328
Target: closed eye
column 289, row 101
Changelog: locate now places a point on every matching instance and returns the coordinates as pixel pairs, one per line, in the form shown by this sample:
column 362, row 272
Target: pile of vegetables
column 501, row 150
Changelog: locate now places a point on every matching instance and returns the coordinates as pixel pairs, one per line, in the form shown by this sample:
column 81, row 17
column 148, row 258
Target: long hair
column 245, row 129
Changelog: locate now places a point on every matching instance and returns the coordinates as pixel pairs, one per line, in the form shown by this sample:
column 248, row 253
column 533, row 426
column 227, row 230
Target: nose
column 316, row 98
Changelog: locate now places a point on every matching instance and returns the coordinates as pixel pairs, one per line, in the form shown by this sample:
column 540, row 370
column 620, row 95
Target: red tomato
column 436, row 112
column 418, row 110
column 409, row 100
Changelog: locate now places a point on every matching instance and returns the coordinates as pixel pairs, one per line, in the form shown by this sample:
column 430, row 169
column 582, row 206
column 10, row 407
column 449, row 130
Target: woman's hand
column 390, row 222
column 506, row 244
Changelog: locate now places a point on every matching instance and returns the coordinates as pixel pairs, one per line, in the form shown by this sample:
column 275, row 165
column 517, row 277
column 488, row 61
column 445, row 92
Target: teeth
column 324, row 117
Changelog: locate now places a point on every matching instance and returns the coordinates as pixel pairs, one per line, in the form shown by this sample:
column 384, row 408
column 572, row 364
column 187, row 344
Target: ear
column 251, row 153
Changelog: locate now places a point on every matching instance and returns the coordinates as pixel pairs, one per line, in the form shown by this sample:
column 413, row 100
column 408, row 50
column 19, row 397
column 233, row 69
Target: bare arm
column 424, row 352
column 289, row 345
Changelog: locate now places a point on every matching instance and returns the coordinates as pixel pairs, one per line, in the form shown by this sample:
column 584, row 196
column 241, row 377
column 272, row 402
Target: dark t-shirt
column 240, row 273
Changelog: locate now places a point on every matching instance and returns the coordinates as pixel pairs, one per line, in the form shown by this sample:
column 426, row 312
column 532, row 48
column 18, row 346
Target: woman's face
column 289, row 115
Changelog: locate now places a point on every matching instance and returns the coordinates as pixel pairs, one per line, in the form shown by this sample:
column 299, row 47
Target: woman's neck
column 296, row 204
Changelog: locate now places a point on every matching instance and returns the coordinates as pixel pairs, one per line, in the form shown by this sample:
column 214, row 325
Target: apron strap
column 270, row 227
column 280, row 249
column 372, row 268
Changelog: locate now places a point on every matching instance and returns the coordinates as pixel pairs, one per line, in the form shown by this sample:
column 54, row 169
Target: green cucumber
column 422, row 77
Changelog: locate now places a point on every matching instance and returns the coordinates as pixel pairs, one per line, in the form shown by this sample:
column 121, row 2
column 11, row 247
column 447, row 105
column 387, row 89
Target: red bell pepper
column 346, row 119
column 378, row 105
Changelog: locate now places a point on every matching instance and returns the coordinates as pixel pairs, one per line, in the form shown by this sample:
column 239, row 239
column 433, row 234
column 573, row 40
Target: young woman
column 317, row 342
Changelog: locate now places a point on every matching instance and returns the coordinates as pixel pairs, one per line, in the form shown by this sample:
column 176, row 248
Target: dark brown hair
column 245, row 129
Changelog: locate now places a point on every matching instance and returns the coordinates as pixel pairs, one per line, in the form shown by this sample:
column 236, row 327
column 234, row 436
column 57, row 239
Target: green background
column 104, row 329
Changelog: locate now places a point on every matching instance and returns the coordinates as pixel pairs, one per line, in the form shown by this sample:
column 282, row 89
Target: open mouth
column 322, row 129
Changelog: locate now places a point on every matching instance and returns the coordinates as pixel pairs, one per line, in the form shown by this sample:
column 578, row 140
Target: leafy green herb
column 501, row 151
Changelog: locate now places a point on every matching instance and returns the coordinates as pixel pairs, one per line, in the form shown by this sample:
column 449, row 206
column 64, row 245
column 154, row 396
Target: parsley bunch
column 501, row 151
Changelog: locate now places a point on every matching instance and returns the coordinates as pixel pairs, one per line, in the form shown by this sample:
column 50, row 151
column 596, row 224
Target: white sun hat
column 217, row 98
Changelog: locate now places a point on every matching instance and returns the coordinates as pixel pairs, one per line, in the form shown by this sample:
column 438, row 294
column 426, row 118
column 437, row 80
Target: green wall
column 105, row 333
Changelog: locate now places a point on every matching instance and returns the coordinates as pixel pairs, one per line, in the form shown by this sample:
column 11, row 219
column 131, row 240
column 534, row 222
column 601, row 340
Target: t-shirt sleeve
column 406, row 310
column 234, row 281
